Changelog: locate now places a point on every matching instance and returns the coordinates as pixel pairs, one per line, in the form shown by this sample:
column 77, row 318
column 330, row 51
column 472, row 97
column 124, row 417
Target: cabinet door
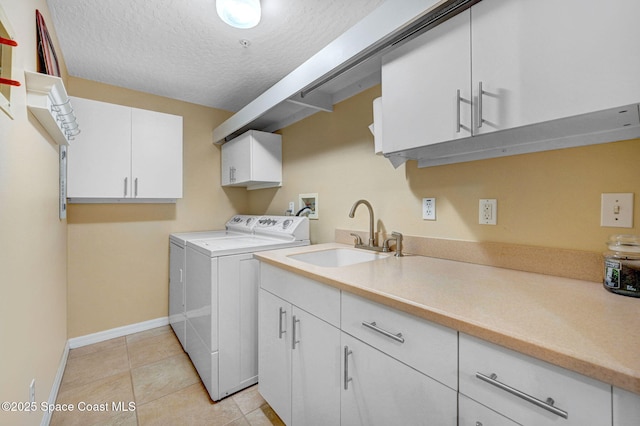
column 626, row 408
column 177, row 315
column 315, row 371
column 540, row 60
column 383, row 391
column 420, row 84
column 156, row 154
column 99, row 162
column 236, row 160
column 238, row 319
column 274, row 356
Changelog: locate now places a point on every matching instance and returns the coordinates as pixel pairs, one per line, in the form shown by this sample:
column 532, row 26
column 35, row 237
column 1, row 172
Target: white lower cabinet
column 470, row 413
column 379, row 390
column 328, row 357
column 299, row 352
column 530, row 391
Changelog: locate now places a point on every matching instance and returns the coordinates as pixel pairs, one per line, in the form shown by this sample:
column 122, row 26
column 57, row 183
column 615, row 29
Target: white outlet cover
column 616, row 210
column 429, row 208
column 488, row 212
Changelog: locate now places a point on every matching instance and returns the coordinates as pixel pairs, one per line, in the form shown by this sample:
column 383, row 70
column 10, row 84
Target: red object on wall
column 8, row 42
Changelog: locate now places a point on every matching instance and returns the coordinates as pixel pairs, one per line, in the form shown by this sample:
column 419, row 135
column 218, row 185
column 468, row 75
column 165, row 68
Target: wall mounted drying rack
column 47, row 99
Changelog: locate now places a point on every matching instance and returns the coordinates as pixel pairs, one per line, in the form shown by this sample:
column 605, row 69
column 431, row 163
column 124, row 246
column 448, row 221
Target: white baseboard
column 89, row 339
column 55, row 387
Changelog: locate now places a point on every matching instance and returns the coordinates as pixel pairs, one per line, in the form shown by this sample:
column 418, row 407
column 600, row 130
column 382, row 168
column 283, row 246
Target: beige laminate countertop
column 574, row 324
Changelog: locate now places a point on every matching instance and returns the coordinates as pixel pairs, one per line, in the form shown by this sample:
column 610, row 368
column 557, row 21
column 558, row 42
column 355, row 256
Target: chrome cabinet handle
column 135, row 186
column 347, row 379
column 293, row 333
column 372, row 325
column 281, row 331
column 125, row 186
column 480, row 93
column 458, row 125
column 232, row 174
column 547, row 405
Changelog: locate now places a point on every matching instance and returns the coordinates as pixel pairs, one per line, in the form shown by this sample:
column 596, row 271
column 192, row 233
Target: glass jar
column 622, row 265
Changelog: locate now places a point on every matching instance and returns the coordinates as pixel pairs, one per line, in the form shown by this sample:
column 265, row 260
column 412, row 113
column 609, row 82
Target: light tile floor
column 152, row 372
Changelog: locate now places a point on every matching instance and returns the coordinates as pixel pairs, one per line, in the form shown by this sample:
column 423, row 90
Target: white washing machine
column 222, row 301
column 238, row 225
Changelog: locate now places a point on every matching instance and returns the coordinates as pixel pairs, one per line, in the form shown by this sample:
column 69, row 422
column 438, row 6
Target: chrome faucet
column 372, row 238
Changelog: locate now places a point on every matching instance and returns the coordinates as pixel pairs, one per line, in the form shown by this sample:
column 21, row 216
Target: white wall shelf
column 47, row 99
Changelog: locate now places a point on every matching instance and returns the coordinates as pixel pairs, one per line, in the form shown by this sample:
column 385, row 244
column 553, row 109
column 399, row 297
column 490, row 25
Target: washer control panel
column 295, row 226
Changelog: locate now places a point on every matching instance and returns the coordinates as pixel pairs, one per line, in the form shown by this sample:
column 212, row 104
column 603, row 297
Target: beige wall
column 33, row 240
column 549, row 199
column 119, row 253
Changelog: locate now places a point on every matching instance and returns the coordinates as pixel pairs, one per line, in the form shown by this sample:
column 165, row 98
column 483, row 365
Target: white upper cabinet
column 540, row 60
column 100, row 160
column 554, row 74
column 124, row 154
column 420, row 85
column 252, row 160
column 156, row 154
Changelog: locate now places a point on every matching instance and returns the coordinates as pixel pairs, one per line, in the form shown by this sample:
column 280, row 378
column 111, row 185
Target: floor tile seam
column 67, row 386
column 73, row 357
column 167, row 356
column 185, row 386
column 142, row 339
column 162, row 396
column 162, row 360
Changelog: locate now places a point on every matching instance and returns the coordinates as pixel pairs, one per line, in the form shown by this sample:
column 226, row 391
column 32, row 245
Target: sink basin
column 337, row 257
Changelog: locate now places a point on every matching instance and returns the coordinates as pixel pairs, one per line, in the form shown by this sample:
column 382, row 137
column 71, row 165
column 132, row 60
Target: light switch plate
column 617, row 210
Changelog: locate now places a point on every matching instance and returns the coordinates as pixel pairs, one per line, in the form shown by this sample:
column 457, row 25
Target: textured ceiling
column 180, row 48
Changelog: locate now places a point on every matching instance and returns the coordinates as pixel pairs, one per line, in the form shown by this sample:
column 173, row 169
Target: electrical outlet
column 292, row 207
column 429, row 208
column 488, row 212
column 32, row 391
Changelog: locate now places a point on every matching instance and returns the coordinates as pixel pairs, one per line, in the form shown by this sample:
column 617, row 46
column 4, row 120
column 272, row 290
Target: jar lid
column 624, row 243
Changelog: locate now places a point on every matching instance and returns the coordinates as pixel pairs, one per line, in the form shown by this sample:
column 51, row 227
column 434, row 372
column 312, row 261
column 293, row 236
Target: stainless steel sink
column 337, row 257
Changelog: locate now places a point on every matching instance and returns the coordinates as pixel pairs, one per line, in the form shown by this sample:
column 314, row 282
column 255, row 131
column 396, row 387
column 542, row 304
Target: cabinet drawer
column 470, row 413
column 427, row 347
column 316, row 298
column 493, row 375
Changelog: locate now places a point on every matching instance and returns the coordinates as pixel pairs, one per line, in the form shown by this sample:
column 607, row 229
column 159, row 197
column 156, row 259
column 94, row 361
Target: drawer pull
column 372, row 325
column 547, row 405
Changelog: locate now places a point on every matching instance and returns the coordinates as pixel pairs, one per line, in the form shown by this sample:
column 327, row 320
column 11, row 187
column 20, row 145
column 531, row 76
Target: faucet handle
column 398, row 236
column 358, row 241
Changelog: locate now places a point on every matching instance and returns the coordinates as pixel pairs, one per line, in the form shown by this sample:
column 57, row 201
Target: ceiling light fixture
column 239, row 13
